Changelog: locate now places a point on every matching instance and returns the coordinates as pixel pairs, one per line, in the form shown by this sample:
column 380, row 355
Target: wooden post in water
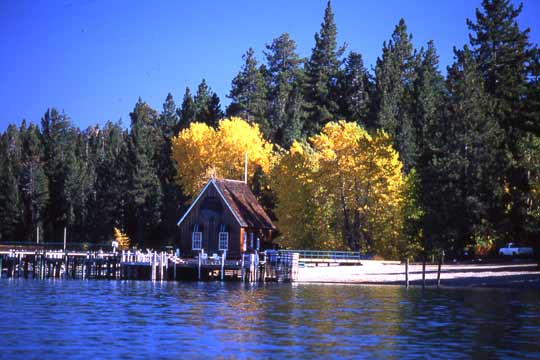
column 407, row 273
column 42, row 264
column 26, row 262
column 199, row 266
column 223, row 256
column 243, row 270
column 439, row 270
column 166, row 261
column 424, row 271
column 154, row 259
column 19, row 270
column 174, row 268
column 160, row 263
column 74, row 267
column 163, row 266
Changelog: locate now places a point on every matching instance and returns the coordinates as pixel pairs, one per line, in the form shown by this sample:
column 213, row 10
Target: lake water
column 135, row 319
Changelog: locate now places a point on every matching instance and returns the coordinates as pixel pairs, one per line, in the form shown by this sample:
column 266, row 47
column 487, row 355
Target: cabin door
column 212, row 237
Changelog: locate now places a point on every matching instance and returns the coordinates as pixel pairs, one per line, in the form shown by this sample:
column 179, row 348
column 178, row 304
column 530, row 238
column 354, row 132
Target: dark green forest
column 471, row 134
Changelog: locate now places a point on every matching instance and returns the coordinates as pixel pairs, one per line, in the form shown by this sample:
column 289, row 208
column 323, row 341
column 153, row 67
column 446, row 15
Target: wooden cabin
column 225, row 216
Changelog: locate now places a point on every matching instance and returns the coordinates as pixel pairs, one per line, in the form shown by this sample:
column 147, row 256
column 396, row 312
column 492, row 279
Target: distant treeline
column 472, row 137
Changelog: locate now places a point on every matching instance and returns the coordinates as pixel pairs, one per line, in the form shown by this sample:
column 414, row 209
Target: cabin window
column 244, row 245
column 223, row 238
column 251, row 240
column 196, row 238
column 258, row 243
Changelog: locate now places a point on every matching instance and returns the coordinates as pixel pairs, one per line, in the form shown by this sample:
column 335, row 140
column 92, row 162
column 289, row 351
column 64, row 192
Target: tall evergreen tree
column 168, row 120
column 354, row 85
column 201, row 101
column 531, row 104
column 428, row 121
column 395, row 74
column 166, row 171
column 429, row 99
column 112, row 181
column 60, row 142
column 33, row 182
column 322, row 72
column 285, row 101
column 503, row 52
column 214, row 112
column 145, row 193
column 249, row 92
column 461, row 185
column 10, row 199
column 186, row 113
column 82, row 184
column 207, row 107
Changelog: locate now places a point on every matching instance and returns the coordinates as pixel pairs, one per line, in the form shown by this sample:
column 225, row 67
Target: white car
column 512, row 249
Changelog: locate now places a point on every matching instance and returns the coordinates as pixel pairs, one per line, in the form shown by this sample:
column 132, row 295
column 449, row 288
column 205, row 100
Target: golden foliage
column 122, row 239
column 301, row 208
column 343, row 191
column 201, row 151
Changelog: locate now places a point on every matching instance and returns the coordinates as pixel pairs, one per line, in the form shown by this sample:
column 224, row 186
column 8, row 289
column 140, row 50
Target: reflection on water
column 129, row 319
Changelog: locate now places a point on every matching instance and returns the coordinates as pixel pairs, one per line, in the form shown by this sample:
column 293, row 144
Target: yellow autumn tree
column 122, row 239
column 347, row 185
column 302, row 212
column 201, row 151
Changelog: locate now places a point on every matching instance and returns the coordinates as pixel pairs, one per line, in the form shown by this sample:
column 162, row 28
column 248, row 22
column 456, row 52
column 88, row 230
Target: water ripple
column 132, row 320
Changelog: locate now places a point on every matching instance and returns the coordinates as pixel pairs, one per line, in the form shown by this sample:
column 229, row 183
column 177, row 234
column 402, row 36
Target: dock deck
column 149, row 265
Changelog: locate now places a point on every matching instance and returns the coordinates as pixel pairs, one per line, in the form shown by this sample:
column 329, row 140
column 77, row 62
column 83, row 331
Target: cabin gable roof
column 240, row 201
column 244, row 204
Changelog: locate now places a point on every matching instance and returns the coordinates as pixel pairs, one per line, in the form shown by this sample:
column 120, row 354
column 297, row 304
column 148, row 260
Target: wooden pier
column 148, row 265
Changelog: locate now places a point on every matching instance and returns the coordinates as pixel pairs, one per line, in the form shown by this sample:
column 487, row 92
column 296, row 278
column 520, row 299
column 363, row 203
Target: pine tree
column 531, row 105
column 531, row 145
column 322, row 72
column 429, row 100
column 503, row 52
column 206, row 104
column 172, row 196
column 10, row 201
column 354, row 85
column 395, row 74
column 112, row 169
column 33, row 182
column 186, row 113
column 201, row 101
column 249, row 92
column 168, row 120
column 82, row 185
column 145, row 195
column 461, row 186
column 428, row 120
column 59, row 141
column 214, row 113
column 285, row 101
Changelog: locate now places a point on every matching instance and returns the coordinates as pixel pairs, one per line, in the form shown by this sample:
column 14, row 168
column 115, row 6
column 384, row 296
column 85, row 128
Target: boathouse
column 224, row 216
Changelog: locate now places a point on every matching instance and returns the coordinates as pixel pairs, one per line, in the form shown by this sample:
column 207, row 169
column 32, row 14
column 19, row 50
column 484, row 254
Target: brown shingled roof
column 244, row 204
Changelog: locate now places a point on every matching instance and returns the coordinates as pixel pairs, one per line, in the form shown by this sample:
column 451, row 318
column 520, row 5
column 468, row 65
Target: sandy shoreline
column 507, row 275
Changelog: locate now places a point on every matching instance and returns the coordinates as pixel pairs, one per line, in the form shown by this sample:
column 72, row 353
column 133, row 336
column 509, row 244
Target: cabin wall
column 210, row 227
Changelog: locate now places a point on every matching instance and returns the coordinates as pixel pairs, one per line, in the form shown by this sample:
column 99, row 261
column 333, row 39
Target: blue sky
column 94, row 58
